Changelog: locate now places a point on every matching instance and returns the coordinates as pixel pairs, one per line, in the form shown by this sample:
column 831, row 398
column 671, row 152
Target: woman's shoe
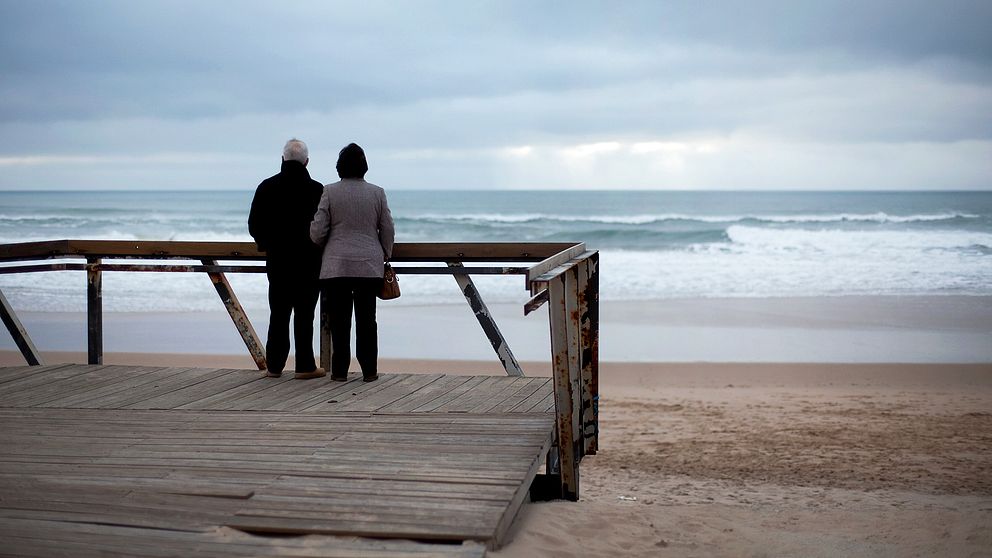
column 371, row 378
column 339, row 378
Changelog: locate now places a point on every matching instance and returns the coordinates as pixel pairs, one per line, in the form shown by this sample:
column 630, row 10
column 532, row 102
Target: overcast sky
column 864, row 94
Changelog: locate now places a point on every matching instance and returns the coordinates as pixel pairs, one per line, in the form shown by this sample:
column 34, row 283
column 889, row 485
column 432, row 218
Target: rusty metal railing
column 563, row 275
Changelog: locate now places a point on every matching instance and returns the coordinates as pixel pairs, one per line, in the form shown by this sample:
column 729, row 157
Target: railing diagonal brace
column 487, row 322
column 238, row 314
column 19, row 333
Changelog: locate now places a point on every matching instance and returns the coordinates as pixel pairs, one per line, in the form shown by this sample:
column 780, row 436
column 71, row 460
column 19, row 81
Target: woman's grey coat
column 354, row 226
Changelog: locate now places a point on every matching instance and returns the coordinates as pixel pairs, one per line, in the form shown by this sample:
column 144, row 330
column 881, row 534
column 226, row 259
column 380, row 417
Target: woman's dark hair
column 351, row 162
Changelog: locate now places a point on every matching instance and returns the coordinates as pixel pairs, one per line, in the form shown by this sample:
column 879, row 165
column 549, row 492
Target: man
column 279, row 222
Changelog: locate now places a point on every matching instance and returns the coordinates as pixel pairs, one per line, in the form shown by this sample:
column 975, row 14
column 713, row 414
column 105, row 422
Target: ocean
column 654, row 244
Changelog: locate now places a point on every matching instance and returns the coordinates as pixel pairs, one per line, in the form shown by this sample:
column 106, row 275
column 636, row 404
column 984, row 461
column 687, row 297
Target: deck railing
column 564, row 275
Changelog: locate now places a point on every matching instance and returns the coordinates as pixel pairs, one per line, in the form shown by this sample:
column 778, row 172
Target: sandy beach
column 756, row 459
column 852, row 426
column 937, row 329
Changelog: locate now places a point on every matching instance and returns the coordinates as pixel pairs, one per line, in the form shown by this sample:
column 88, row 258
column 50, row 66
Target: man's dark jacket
column 280, row 217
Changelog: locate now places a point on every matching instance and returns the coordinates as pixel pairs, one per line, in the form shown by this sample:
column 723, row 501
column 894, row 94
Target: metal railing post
column 567, row 421
column 94, row 311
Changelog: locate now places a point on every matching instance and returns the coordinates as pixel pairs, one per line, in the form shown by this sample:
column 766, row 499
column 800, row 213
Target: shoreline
column 935, row 329
column 624, row 380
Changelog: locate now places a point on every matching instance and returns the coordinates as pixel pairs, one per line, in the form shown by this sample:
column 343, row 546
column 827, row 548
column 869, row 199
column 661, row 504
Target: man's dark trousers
column 289, row 293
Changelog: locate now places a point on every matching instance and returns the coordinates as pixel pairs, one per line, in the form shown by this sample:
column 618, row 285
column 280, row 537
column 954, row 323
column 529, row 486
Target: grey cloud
column 72, row 60
column 455, row 79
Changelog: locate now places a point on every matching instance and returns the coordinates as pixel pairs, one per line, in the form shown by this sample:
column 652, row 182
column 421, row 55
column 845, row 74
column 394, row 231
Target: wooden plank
column 222, row 380
column 352, row 390
column 520, row 496
column 505, row 390
column 469, row 399
column 425, row 395
column 131, row 249
column 196, row 250
column 222, row 399
column 13, row 375
column 170, row 379
column 454, row 393
column 384, row 396
column 19, row 333
column 313, row 395
column 34, row 537
column 33, row 250
column 476, row 251
column 521, row 392
column 121, row 382
column 269, row 391
column 28, row 385
column 100, row 380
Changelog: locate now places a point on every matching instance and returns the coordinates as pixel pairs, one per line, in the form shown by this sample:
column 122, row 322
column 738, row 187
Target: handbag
column 390, row 284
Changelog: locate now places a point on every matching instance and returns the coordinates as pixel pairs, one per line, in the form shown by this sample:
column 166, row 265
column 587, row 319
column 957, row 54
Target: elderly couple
column 341, row 234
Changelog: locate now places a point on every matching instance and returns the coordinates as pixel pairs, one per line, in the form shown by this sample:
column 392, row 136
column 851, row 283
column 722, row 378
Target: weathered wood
column 589, row 395
column 485, row 319
column 8, row 269
column 194, row 250
column 425, row 395
column 466, row 270
column 218, row 381
column 477, row 251
column 238, row 315
column 451, row 395
column 523, row 491
column 19, row 333
column 441, row 476
column 45, row 538
column 183, row 268
column 153, row 249
column 94, row 312
column 589, row 303
column 537, row 301
column 566, row 420
column 560, row 258
column 573, row 325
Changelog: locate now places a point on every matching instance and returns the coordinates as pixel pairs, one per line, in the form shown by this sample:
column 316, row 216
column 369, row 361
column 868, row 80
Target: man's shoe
column 272, row 374
column 318, row 373
column 371, row 378
column 339, row 378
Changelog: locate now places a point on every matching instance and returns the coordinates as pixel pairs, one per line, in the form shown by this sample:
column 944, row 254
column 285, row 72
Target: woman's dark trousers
column 344, row 294
column 289, row 294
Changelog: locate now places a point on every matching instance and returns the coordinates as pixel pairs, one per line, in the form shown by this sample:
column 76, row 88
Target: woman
column 355, row 228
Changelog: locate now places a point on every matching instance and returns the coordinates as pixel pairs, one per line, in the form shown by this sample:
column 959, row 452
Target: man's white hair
column 295, row 150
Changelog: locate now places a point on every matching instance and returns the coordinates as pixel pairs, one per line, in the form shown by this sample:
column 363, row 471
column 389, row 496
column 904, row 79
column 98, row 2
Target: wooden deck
column 117, row 460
